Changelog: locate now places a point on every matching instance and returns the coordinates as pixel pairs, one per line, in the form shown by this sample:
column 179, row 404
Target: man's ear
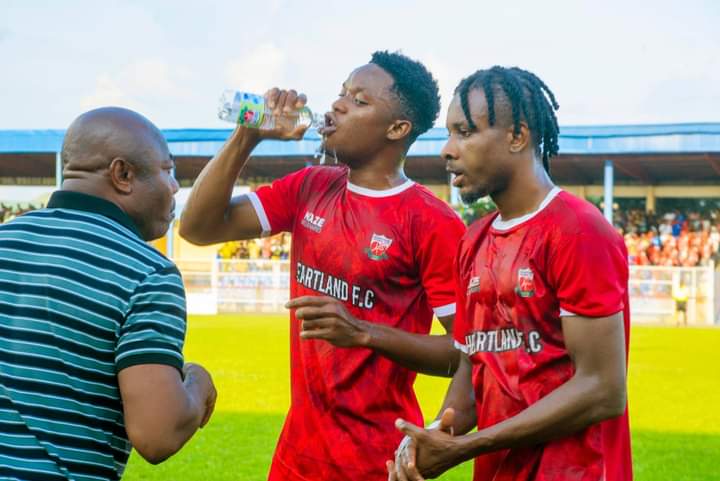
column 399, row 129
column 122, row 175
column 521, row 140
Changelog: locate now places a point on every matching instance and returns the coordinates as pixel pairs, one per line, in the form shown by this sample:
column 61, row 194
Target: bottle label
column 251, row 109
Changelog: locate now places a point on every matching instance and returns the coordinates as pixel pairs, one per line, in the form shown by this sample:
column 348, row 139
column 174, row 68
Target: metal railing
column 216, row 286
column 233, row 286
column 652, row 288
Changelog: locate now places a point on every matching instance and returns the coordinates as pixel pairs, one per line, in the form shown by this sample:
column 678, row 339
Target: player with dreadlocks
column 542, row 306
column 369, row 268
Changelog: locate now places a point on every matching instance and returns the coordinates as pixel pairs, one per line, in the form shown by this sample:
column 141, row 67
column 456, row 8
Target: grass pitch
column 674, row 380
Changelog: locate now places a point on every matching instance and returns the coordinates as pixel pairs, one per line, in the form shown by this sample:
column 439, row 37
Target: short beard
column 472, row 196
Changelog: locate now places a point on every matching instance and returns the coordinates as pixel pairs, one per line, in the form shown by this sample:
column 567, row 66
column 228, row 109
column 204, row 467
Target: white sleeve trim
column 260, row 211
column 566, row 313
column 461, row 347
column 446, row 310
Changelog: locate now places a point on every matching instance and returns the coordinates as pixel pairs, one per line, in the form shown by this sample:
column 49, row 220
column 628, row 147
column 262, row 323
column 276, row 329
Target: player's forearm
column 434, row 355
column 205, row 213
column 577, row 404
column 461, row 398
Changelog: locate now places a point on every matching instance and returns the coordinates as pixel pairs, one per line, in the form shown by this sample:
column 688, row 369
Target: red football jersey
column 516, row 279
column 387, row 255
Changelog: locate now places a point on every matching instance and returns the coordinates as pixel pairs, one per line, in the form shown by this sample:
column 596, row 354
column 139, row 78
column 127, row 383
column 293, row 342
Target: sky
column 608, row 62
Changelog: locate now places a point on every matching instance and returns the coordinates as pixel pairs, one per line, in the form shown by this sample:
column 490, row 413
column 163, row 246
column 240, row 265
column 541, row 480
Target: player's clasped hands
column 328, row 319
column 424, row 453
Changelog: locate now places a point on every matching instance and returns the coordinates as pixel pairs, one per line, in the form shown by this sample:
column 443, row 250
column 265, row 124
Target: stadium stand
column 658, row 184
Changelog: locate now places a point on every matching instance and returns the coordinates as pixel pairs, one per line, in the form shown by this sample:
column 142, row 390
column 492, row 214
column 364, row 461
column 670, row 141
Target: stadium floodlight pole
column 609, row 184
column 58, row 170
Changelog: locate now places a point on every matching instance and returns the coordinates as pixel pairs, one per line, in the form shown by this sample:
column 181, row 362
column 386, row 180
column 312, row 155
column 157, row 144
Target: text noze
column 313, row 222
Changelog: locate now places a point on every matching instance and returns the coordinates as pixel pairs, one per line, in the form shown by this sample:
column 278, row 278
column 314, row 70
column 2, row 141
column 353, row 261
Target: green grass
column 674, row 403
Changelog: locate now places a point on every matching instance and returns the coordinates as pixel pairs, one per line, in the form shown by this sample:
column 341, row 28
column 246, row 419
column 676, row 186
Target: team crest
column 379, row 244
column 526, row 285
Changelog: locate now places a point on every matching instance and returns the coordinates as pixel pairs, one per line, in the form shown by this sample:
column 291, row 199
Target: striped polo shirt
column 82, row 297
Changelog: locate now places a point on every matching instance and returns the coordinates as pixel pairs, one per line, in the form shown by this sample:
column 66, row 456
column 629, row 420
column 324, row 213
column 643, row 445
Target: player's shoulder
column 570, row 215
column 315, row 174
column 325, row 173
column 474, row 235
column 430, row 207
column 479, row 228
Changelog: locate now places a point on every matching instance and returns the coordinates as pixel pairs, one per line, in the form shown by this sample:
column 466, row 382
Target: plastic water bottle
column 250, row 110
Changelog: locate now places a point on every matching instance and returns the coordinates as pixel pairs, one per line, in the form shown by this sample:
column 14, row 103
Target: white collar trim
column 380, row 193
column 500, row 224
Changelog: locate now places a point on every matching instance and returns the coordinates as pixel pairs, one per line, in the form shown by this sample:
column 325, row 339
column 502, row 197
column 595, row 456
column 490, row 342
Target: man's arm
column 211, row 214
column 597, row 391
column 460, row 398
column 427, row 354
column 162, row 410
column 457, row 416
column 328, row 319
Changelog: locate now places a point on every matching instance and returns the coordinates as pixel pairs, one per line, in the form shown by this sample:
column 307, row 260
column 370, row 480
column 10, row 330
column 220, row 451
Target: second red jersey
column 516, row 280
column 387, row 255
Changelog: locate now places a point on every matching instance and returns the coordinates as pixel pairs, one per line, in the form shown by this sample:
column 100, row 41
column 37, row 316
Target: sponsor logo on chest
column 313, row 222
column 379, row 244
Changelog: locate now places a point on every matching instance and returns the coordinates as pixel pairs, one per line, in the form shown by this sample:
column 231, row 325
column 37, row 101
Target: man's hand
column 424, row 453
column 195, row 373
column 327, row 318
column 285, row 105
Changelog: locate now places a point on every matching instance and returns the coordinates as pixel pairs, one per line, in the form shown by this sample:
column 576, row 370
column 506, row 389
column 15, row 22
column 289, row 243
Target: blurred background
column 639, row 88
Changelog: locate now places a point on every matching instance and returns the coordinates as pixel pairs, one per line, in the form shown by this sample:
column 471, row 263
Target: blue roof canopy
column 596, row 139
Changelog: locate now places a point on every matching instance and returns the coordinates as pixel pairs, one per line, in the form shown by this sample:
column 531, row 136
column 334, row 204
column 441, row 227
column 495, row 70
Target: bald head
column 95, row 138
column 120, row 156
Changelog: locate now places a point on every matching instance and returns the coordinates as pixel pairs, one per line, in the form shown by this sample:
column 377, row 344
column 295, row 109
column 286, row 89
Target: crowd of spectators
column 276, row 247
column 8, row 212
column 673, row 238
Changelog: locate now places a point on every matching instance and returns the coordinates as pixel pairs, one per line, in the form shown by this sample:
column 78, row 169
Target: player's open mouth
column 457, row 179
column 329, row 127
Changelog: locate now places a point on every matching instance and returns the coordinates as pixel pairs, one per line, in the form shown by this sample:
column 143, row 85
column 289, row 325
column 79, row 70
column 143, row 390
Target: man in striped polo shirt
column 92, row 319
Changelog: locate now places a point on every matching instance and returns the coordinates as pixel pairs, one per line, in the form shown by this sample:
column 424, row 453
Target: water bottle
column 250, row 110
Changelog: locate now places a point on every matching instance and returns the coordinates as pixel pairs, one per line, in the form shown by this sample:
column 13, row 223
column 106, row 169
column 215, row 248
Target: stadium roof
column 587, row 140
column 682, row 154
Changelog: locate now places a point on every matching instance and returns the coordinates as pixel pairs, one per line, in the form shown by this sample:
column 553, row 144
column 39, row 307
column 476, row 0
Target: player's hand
column 328, row 319
column 427, row 454
column 407, row 450
column 284, row 105
column 195, row 373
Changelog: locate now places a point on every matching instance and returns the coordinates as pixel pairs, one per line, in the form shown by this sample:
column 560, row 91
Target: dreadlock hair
column 415, row 89
column 529, row 98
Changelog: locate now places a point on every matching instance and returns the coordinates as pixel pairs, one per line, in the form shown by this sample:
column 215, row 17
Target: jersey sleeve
column 154, row 327
column 276, row 205
column 589, row 272
column 436, row 254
